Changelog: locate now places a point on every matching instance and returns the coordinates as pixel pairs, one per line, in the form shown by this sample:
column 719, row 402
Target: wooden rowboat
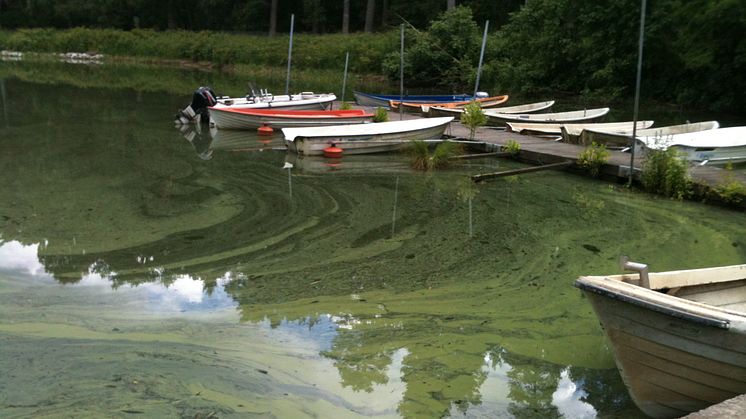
column 679, row 338
column 455, row 111
column 230, row 118
column 556, row 129
column 587, row 115
column 586, row 134
column 364, row 138
column 484, row 102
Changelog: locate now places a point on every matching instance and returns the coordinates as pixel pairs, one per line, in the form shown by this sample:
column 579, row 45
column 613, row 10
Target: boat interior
column 723, row 287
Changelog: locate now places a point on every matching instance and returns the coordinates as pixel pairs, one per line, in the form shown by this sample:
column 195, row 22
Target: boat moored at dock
column 679, row 338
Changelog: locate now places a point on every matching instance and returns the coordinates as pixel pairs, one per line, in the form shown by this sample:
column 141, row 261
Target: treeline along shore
column 533, row 48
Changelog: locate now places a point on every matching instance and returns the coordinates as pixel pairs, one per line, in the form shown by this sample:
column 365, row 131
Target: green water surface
column 152, row 271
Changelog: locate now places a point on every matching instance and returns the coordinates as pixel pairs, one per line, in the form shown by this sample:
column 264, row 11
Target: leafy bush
column 473, row 117
column 665, row 172
column 381, row 115
column 593, row 158
column 730, row 190
column 512, row 146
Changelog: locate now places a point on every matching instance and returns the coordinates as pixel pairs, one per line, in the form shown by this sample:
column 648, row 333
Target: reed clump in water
column 441, row 156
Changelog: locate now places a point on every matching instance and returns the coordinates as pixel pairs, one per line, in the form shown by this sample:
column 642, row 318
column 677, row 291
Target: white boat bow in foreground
column 679, row 338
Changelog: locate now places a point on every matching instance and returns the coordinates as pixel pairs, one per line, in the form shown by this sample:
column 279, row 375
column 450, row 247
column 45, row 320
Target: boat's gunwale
column 649, row 304
column 296, row 113
column 342, row 131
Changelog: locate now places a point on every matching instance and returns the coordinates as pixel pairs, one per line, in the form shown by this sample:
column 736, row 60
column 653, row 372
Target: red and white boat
column 248, row 118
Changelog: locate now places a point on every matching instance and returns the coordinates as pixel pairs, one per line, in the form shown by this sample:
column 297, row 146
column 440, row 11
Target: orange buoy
column 265, row 130
column 333, row 151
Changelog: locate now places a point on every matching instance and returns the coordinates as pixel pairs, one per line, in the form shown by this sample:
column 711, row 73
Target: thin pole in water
column 637, row 93
column 401, row 74
column 481, row 56
column 344, row 79
column 290, row 54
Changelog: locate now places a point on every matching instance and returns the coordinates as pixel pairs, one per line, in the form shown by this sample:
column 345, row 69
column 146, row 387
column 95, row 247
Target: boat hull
column 714, row 155
column 433, row 111
column 367, row 99
column 621, row 137
column 673, row 362
column 496, row 118
column 364, row 143
column 226, row 119
column 487, row 102
column 308, row 101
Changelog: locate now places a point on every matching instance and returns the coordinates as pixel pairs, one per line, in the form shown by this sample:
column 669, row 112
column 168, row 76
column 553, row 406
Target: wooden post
column 479, row 178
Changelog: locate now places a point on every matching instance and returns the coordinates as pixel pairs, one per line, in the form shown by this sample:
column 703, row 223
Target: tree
column 370, row 14
column 446, row 55
column 273, row 18
column 451, row 4
column 346, row 17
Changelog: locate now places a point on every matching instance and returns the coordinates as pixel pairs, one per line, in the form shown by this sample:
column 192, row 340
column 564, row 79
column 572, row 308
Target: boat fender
column 333, row 151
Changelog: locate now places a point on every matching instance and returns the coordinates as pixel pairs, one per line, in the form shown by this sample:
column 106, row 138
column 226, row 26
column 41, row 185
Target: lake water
column 164, row 272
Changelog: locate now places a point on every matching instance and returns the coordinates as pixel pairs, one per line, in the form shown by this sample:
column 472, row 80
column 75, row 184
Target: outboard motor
column 202, row 98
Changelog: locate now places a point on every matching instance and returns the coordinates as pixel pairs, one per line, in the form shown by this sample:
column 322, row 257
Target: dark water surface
column 145, row 270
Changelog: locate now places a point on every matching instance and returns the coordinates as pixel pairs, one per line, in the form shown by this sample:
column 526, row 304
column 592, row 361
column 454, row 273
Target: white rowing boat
column 586, row 115
column 679, row 338
column 525, row 108
column 717, row 146
column 620, row 136
column 364, row 138
column 536, row 128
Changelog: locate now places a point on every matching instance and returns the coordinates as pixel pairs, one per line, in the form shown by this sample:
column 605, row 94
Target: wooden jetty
column 731, row 408
column 544, row 151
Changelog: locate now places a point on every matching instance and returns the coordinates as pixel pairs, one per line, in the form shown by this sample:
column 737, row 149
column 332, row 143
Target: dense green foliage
column 446, row 54
column 318, row 16
column 695, row 52
column 694, row 56
column 309, row 51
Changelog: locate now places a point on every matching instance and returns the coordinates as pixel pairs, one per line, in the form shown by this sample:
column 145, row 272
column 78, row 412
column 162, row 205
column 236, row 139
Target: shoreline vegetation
column 542, row 48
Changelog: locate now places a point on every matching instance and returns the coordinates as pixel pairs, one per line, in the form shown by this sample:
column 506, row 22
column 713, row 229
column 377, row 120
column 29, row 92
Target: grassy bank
column 309, row 51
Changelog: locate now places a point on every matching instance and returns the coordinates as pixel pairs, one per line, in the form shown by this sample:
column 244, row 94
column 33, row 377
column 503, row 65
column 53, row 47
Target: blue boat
column 375, row 100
